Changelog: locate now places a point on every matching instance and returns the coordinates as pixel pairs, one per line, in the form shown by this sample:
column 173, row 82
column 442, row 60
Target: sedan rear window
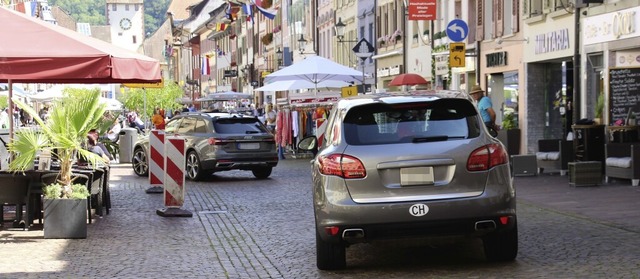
column 239, row 126
column 439, row 120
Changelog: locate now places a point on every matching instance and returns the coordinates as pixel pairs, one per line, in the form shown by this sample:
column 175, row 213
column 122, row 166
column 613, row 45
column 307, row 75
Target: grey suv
column 417, row 164
column 217, row 142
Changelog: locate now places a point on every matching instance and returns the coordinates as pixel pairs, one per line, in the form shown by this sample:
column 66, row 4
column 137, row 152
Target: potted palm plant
column 63, row 134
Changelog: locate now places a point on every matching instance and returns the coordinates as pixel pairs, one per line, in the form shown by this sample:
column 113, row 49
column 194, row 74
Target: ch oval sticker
column 419, row 210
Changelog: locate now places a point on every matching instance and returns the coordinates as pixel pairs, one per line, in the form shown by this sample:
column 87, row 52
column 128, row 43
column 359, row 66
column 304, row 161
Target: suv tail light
column 215, row 141
column 345, row 166
column 486, row 157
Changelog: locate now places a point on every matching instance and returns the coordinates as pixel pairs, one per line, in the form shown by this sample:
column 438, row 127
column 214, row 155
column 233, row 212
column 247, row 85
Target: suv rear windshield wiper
column 435, row 138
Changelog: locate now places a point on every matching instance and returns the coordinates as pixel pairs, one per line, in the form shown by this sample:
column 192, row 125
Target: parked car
column 418, row 164
column 216, row 142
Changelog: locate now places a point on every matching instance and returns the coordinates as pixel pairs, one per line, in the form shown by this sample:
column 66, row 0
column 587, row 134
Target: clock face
column 125, row 23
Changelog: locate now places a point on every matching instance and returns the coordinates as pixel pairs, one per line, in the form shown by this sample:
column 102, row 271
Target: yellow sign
column 457, row 55
column 144, row 85
column 265, row 74
column 349, row 91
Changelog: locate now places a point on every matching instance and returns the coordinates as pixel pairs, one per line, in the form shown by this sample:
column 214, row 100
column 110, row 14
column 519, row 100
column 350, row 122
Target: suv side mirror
column 309, row 144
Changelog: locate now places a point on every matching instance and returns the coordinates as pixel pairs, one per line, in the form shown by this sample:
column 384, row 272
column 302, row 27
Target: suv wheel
column 330, row 256
column 501, row 246
column 262, row 173
column 193, row 167
column 139, row 162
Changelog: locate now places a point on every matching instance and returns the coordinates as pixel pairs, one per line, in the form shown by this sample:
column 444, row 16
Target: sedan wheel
column 139, row 162
column 193, row 167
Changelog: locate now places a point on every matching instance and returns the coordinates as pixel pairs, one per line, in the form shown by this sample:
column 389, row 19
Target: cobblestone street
column 248, row 228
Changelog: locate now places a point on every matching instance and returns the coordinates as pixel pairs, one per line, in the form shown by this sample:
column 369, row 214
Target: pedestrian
column 4, row 118
column 135, row 121
column 158, row 118
column 485, row 107
column 271, row 118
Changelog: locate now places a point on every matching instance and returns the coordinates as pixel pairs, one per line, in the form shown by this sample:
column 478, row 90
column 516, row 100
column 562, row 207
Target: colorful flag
column 206, row 70
column 267, row 13
column 248, row 10
column 221, row 27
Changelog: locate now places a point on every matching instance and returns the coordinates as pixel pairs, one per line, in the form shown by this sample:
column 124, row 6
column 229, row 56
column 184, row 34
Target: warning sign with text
column 422, row 9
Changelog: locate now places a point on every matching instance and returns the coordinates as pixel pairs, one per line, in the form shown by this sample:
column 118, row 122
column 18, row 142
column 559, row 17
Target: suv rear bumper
column 222, row 165
column 475, row 227
column 394, row 220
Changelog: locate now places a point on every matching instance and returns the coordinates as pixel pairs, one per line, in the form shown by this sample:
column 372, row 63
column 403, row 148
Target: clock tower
column 126, row 21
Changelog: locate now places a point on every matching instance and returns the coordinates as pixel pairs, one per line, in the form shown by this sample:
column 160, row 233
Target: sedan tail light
column 345, row 166
column 486, row 157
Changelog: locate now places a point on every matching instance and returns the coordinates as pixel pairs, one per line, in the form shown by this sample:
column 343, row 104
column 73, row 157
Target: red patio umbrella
column 35, row 51
column 408, row 79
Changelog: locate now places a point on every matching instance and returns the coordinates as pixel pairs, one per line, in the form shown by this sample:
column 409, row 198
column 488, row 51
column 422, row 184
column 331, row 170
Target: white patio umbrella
column 316, row 69
column 225, row 96
column 112, row 104
column 301, row 84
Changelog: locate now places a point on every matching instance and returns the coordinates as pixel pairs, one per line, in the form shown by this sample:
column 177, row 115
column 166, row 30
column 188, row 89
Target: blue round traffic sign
column 457, row 30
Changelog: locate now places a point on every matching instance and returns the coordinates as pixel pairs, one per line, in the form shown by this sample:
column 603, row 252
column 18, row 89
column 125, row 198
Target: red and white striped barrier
column 174, row 162
column 156, row 158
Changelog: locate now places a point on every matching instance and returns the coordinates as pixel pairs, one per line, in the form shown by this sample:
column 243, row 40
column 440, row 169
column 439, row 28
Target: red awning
column 35, row 51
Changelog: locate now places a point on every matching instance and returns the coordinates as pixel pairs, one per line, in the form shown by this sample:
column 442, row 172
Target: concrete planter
column 511, row 140
column 65, row 218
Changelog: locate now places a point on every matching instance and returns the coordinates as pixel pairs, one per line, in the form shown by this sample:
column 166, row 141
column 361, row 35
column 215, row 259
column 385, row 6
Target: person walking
column 4, row 119
column 485, row 106
column 158, row 118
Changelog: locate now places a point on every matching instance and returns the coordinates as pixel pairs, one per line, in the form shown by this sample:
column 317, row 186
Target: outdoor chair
column 623, row 161
column 553, row 155
column 14, row 191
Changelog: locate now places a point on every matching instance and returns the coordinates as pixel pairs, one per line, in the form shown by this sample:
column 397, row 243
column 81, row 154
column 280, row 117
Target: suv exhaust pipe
column 486, row 225
column 353, row 234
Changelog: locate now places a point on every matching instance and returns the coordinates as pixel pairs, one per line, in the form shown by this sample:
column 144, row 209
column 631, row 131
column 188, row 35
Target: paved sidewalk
column 134, row 242
column 615, row 203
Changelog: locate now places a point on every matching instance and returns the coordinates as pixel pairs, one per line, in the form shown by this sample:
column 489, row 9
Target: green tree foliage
column 4, row 102
column 93, row 12
column 166, row 98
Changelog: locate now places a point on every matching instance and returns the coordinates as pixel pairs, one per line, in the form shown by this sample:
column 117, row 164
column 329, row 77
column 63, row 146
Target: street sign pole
column 364, row 50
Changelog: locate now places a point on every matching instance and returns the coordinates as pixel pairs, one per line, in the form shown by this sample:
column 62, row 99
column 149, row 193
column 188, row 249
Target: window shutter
column 499, row 17
column 480, row 20
column 515, row 16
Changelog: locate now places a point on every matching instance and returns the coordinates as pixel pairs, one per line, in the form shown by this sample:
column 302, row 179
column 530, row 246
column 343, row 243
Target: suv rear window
column 411, row 122
column 239, row 126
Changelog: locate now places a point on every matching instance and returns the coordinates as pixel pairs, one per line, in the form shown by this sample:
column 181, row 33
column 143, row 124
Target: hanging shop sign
column 496, row 59
column 230, row 73
column 612, row 26
column 553, row 41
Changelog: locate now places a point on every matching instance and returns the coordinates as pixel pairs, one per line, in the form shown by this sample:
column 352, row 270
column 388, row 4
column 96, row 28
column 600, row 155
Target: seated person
column 97, row 147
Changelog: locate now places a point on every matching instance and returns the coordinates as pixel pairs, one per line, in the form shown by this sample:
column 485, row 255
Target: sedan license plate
column 416, row 176
column 249, row 145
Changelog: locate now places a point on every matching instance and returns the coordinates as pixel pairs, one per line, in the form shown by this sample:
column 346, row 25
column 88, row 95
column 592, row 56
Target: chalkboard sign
column 624, row 92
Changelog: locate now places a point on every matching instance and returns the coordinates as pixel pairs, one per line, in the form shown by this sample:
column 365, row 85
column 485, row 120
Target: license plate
column 416, row 176
column 249, row 145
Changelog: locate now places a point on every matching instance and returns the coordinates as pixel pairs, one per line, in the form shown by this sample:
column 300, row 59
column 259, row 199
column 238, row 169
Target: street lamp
column 302, row 43
column 340, row 29
column 279, row 56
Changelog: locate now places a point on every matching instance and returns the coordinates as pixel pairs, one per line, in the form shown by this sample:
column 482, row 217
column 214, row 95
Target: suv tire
column 193, row 168
column 330, row 256
column 501, row 246
column 140, row 162
column 262, row 173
